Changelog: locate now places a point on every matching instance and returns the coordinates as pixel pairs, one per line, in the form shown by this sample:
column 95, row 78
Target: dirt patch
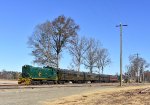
column 8, row 82
column 133, row 95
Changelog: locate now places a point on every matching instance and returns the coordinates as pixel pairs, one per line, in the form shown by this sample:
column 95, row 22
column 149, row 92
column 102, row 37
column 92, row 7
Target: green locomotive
column 37, row 75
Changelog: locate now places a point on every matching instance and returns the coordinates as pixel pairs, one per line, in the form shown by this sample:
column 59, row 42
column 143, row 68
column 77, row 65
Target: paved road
column 36, row 96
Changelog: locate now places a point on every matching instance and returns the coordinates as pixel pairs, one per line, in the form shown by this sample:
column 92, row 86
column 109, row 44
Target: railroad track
column 6, row 86
column 19, row 86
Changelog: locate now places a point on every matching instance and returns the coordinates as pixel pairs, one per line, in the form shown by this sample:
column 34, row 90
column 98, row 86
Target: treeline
column 11, row 75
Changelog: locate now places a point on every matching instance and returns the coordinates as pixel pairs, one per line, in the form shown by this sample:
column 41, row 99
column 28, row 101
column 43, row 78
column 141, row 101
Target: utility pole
column 138, row 72
column 120, row 25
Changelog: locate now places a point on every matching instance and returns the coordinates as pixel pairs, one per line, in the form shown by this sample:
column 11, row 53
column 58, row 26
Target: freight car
column 49, row 75
column 74, row 76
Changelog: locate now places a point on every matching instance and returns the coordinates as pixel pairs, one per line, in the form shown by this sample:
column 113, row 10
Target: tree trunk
column 57, row 61
column 102, row 69
column 78, row 70
column 90, row 69
column 99, row 74
column 143, row 78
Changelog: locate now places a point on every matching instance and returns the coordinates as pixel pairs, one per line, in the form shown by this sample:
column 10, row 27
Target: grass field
column 131, row 95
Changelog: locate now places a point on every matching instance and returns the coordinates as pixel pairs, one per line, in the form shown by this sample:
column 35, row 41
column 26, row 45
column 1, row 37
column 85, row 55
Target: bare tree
column 63, row 31
column 90, row 56
column 77, row 49
column 103, row 59
column 40, row 42
column 137, row 67
column 50, row 38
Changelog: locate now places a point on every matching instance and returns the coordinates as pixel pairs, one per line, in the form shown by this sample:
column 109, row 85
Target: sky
column 96, row 18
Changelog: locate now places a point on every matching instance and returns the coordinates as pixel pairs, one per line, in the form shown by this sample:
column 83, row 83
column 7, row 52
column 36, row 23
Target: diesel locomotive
column 49, row 75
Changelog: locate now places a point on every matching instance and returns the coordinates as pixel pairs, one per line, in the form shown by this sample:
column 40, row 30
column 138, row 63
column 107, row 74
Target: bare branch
column 77, row 49
column 90, row 56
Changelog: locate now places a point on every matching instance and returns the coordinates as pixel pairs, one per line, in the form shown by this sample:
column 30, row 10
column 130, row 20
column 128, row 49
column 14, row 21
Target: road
column 36, row 96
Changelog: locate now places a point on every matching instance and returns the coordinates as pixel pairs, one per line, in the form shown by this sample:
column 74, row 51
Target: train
column 48, row 75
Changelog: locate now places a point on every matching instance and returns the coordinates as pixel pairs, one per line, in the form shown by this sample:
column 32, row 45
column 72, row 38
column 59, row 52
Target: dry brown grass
column 114, row 96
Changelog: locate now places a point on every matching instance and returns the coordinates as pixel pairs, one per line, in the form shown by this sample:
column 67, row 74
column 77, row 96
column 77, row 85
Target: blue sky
column 97, row 19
